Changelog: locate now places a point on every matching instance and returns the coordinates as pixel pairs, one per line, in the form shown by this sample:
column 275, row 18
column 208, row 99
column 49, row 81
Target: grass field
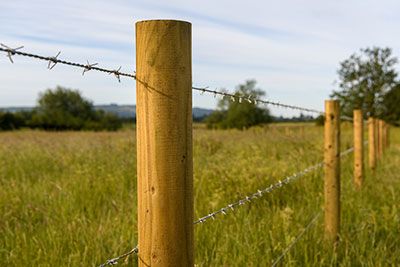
column 69, row 199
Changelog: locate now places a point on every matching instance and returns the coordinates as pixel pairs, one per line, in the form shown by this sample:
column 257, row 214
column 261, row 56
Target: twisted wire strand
column 53, row 61
column 115, row 260
column 258, row 194
column 251, row 99
column 230, row 207
column 302, row 232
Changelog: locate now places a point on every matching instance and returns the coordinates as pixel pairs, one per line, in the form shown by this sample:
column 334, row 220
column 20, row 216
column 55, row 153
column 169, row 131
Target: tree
column 391, row 105
column 233, row 114
column 10, row 121
column 66, row 109
column 364, row 79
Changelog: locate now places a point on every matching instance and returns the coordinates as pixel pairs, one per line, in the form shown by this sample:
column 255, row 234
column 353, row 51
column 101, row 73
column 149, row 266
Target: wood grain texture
column 371, row 143
column 358, row 148
column 164, row 143
column 332, row 170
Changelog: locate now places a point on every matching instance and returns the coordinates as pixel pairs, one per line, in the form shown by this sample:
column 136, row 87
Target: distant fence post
column 358, row 147
column 164, row 143
column 372, row 143
column 332, row 170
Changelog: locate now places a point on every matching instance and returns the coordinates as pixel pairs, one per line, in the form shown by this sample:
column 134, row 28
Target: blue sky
column 292, row 48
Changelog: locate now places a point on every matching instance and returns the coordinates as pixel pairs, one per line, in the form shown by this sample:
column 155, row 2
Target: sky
column 292, row 48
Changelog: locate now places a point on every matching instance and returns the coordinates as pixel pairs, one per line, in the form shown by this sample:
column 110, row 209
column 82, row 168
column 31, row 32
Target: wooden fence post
column 371, row 143
column 358, row 147
column 164, row 143
column 332, row 170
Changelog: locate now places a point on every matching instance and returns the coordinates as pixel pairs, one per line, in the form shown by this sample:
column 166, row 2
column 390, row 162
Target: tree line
column 58, row 110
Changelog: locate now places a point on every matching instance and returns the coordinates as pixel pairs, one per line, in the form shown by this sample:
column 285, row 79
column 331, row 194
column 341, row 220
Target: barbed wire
column 115, row 260
column 302, row 232
column 260, row 192
column 252, row 99
column 53, row 61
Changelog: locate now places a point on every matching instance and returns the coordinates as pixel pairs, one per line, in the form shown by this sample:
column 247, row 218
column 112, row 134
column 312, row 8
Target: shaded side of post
column 164, row 143
column 358, row 147
column 332, row 170
column 371, row 143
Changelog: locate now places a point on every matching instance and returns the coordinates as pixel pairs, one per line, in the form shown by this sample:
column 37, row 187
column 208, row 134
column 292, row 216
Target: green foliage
column 391, row 103
column 320, row 120
column 11, row 121
column 364, row 79
column 61, row 109
column 239, row 115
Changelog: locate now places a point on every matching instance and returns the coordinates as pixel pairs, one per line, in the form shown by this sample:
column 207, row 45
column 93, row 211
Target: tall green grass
column 69, row 199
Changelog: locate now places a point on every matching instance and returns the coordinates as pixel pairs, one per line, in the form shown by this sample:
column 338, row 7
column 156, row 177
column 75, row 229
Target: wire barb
column 117, row 73
column 11, row 51
column 115, row 260
column 53, row 61
column 88, row 67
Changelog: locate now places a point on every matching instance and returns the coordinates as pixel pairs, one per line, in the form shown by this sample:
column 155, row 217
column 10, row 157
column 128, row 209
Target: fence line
column 53, row 61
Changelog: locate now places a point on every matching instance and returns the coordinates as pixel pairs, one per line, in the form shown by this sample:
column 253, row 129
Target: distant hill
column 122, row 111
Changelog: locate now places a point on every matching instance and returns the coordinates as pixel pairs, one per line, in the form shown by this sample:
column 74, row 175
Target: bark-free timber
column 164, row 143
column 332, row 170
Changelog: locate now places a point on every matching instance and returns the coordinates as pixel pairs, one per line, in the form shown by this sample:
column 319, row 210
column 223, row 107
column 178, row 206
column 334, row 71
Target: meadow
column 69, row 199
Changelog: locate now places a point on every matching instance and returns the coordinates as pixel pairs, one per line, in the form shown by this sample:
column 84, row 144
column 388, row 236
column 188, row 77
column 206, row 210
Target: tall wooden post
column 332, row 170
column 358, row 147
column 371, row 143
column 164, row 143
